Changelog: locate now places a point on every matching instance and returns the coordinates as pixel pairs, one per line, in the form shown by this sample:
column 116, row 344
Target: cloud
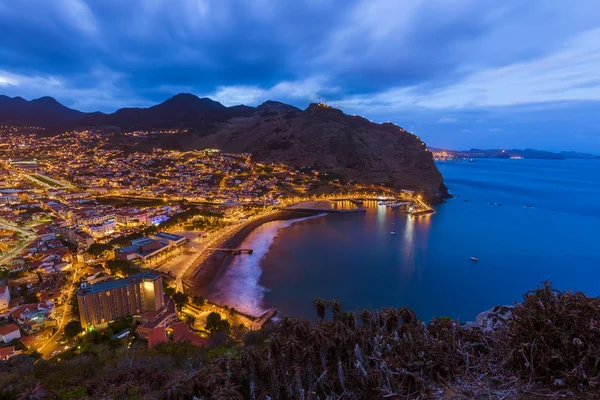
column 447, row 120
column 300, row 91
column 421, row 63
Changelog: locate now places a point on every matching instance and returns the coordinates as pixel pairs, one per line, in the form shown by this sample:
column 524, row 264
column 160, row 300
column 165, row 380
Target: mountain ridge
column 350, row 148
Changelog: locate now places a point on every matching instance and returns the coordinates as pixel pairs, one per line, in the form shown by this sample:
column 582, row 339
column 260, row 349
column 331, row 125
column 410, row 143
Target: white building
column 9, row 332
column 103, row 229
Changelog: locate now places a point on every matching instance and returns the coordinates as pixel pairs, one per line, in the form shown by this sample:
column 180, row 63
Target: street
column 50, row 346
column 28, row 237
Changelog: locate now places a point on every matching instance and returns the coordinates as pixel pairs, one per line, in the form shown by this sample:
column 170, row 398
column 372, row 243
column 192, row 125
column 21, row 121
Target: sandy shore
column 197, row 279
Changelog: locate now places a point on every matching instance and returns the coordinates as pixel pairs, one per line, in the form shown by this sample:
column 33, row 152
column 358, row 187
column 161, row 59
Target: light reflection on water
column 427, row 265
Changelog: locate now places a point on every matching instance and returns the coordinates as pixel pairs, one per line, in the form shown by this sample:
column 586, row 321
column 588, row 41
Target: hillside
column 544, row 347
column 327, row 139
column 347, row 147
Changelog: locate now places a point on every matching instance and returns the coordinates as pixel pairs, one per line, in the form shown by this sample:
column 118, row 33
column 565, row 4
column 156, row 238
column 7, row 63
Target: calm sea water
column 427, row 266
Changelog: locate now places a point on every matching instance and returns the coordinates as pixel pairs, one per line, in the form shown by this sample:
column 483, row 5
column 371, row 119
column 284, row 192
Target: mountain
column 325, row 138
column 44, row 112
column 347, row 147
column 525, row 153
column 181, row 111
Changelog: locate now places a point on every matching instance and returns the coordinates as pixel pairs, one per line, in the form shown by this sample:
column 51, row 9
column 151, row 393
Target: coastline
column 197, row 280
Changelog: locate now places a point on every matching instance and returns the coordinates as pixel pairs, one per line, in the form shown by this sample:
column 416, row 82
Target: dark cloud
column 384, row 58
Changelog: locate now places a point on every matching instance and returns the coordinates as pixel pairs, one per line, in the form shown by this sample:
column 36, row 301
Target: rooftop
column 6, row 329
column 169, row 236
column 118, row 283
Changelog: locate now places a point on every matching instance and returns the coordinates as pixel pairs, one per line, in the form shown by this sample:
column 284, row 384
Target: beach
column 197, row 279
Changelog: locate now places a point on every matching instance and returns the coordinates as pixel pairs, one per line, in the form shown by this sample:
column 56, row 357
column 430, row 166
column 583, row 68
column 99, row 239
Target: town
column 98, row 243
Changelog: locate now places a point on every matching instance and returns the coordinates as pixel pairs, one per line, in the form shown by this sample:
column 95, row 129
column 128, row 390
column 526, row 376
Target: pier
column 232, row 251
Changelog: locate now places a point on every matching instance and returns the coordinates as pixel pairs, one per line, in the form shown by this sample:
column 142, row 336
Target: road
column 50, row 346
column 216, row 239
column 28, row 238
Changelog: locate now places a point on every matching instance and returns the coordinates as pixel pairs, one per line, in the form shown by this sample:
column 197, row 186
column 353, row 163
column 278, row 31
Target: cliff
column 349, row 147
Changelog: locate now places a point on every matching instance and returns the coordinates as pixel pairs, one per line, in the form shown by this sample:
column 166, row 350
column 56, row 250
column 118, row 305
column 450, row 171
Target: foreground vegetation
column 549, row 347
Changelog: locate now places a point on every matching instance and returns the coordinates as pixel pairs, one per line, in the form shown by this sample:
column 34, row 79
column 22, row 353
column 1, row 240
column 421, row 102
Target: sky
column 458, row 73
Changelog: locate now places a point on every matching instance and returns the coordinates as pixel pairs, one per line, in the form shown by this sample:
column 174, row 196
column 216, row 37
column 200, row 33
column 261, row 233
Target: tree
column 190, row 320
column 120, row 266
column 36, row 355
column 73, row 307
column 96, row 248
column 215, row 324
column 198, row 301
column 114, row 344
column 320, row 305
column 180, row 299
column 169, row 291
column 31, row 297
column 37, row 392
column 336, row 307
column 72, row 329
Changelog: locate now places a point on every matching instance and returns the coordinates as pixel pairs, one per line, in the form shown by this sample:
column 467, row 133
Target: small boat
column 474, row 259
column 393, row 233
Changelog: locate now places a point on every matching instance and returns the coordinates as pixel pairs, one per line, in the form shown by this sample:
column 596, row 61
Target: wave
column 239, row 286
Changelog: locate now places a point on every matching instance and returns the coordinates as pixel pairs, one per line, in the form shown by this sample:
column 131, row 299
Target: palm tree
column 320, row 305
column 336, row 307
column 391, row 318
column 252, row 359
column 301, row 329
column 408, row 315
column 176, row 390
column 36, row 392
column 190, row 320
column 366, row 318
column 349, row 318
column 229, row 392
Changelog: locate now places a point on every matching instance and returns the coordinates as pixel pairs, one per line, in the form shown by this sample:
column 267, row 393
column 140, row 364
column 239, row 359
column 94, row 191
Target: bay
column 526, row 220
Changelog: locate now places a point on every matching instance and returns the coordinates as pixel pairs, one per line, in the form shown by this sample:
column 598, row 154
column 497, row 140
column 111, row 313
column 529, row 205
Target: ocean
column 526, row 221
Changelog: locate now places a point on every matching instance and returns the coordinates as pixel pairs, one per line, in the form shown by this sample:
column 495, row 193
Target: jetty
column 232, row 251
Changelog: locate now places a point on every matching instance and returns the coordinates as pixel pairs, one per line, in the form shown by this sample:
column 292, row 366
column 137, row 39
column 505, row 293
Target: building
column 4, row 297
column 156, row 323
column 110, row 300
column 34, row 317
column 131, row 218
column 103, row 229
column 76, row 236
column 9, row 332
column 8, row 352
column 151, row 251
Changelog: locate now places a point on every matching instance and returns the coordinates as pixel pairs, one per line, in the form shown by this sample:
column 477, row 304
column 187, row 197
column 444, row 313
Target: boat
column 393, row 233
column 474, row 259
